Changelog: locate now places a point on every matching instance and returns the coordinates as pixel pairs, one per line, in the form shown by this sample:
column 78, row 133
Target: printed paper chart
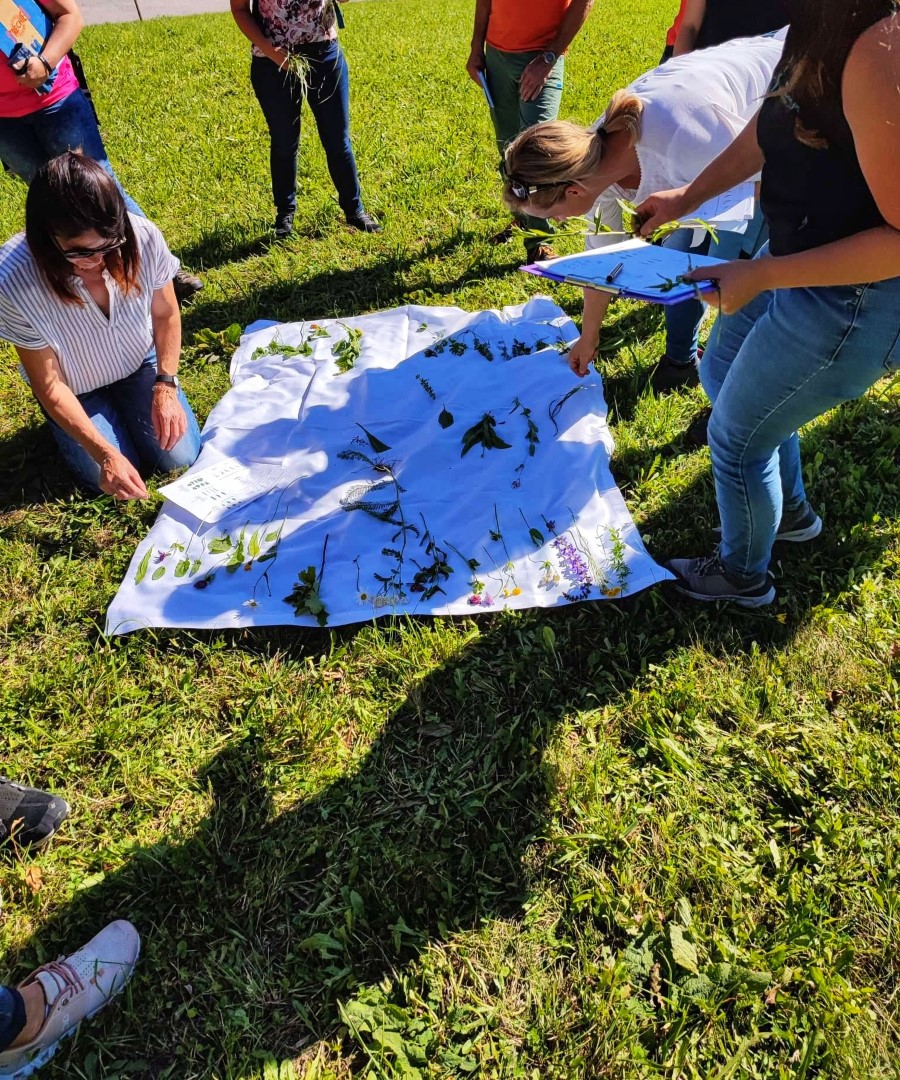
column 435, row 462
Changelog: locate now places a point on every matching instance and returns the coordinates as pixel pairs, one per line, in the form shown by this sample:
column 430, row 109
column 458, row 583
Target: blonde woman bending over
column 660, row 132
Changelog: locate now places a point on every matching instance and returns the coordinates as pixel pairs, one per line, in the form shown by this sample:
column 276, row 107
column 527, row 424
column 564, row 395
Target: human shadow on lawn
column 31, row 470
column 258, row 926
column 387, row 280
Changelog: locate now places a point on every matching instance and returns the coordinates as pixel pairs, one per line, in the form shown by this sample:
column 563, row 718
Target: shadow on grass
column 31, row 469
column 258, row 926
column 382, row 282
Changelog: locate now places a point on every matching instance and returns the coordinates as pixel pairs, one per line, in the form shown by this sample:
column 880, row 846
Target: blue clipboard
column 645, row 270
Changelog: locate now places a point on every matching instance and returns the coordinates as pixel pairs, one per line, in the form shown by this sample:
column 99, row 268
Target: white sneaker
column 75, row 987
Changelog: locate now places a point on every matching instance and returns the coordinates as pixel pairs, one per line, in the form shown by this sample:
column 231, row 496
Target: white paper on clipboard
column 731, row 211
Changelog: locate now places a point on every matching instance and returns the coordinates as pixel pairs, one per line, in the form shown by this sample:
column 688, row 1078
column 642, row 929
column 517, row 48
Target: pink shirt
column 16, row 100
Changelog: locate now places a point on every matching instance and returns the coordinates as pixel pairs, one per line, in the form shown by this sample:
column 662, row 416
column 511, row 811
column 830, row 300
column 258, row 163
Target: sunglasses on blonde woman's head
column 76, row 254
column 521, row 189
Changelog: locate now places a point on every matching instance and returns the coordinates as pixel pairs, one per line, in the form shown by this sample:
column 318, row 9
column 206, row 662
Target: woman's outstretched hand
column 662, row 207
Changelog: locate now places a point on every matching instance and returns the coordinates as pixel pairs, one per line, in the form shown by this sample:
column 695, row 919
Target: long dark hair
column 819, row 40
column 71, row 195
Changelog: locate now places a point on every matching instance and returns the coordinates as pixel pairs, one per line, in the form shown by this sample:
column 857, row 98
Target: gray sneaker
column 75, row 988
column 796, row 526
column 29, row 816
column 707, row 579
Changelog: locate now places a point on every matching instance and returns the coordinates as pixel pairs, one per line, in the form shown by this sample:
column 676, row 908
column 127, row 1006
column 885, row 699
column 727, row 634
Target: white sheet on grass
column 544, row 529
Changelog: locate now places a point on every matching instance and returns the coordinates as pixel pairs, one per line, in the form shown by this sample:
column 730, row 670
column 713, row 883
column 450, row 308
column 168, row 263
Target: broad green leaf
column 323, row 944
column 684, row 952
column 220, row 546
column 674, row 753
column 253, row 547
column 182, row 568
column 683, row 914
column 158, row 573
column 142, row 566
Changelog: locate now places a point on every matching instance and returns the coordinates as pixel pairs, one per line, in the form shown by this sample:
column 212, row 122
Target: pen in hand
column 614, row 273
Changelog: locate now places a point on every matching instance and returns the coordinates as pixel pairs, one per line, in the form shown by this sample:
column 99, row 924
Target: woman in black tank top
column 814, row 320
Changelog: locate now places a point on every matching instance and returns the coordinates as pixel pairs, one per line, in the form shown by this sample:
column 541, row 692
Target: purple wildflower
column 574, row 568
column 161, row 556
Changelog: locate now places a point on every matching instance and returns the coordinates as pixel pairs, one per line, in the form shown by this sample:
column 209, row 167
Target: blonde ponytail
column 553, row 153
column 623, row 113
column 558, row 152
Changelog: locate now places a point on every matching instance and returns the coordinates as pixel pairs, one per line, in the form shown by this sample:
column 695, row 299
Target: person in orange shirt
column 519, row 47
column 672, row 36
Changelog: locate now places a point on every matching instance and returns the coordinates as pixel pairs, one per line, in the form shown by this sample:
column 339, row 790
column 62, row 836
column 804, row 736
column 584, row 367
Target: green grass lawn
column 629, row 841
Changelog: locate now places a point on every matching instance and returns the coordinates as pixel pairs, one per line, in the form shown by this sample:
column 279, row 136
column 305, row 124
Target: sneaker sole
column 800, row 536
column 742, row 601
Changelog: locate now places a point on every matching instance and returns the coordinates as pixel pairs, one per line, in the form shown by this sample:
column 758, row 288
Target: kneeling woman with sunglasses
column 86, row 297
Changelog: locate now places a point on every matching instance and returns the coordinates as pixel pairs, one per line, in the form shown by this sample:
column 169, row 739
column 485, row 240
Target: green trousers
column 512, row 115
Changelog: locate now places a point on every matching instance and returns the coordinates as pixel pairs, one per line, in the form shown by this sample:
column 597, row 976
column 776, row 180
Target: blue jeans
column 782, row 360
column 683, row 320
column 27, row 142
column 121, row 413
column 280, row 95
column 12, row 1016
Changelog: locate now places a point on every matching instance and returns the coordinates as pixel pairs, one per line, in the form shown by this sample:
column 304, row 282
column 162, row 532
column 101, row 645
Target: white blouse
column 694, row 107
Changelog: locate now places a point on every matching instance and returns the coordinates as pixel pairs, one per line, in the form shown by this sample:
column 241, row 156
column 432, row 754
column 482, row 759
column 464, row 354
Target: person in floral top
column 295, row 55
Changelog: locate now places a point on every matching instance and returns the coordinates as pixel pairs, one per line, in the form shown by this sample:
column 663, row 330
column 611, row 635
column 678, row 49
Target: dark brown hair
column 71, row 195
column 819, row 40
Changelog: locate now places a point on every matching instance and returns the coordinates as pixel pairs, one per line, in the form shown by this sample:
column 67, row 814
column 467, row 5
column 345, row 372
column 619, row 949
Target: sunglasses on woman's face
column 77, row 254
column 522, row 191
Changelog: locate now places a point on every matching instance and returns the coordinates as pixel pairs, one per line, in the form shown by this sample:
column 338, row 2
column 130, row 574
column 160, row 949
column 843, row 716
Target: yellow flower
column 516, row 591
column 613, row 592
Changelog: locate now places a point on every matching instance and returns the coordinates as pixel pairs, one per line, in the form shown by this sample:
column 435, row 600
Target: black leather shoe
column 186, row 285
column 669, row 375
column 696, row 434
column 364, row 222
column 284, row 225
